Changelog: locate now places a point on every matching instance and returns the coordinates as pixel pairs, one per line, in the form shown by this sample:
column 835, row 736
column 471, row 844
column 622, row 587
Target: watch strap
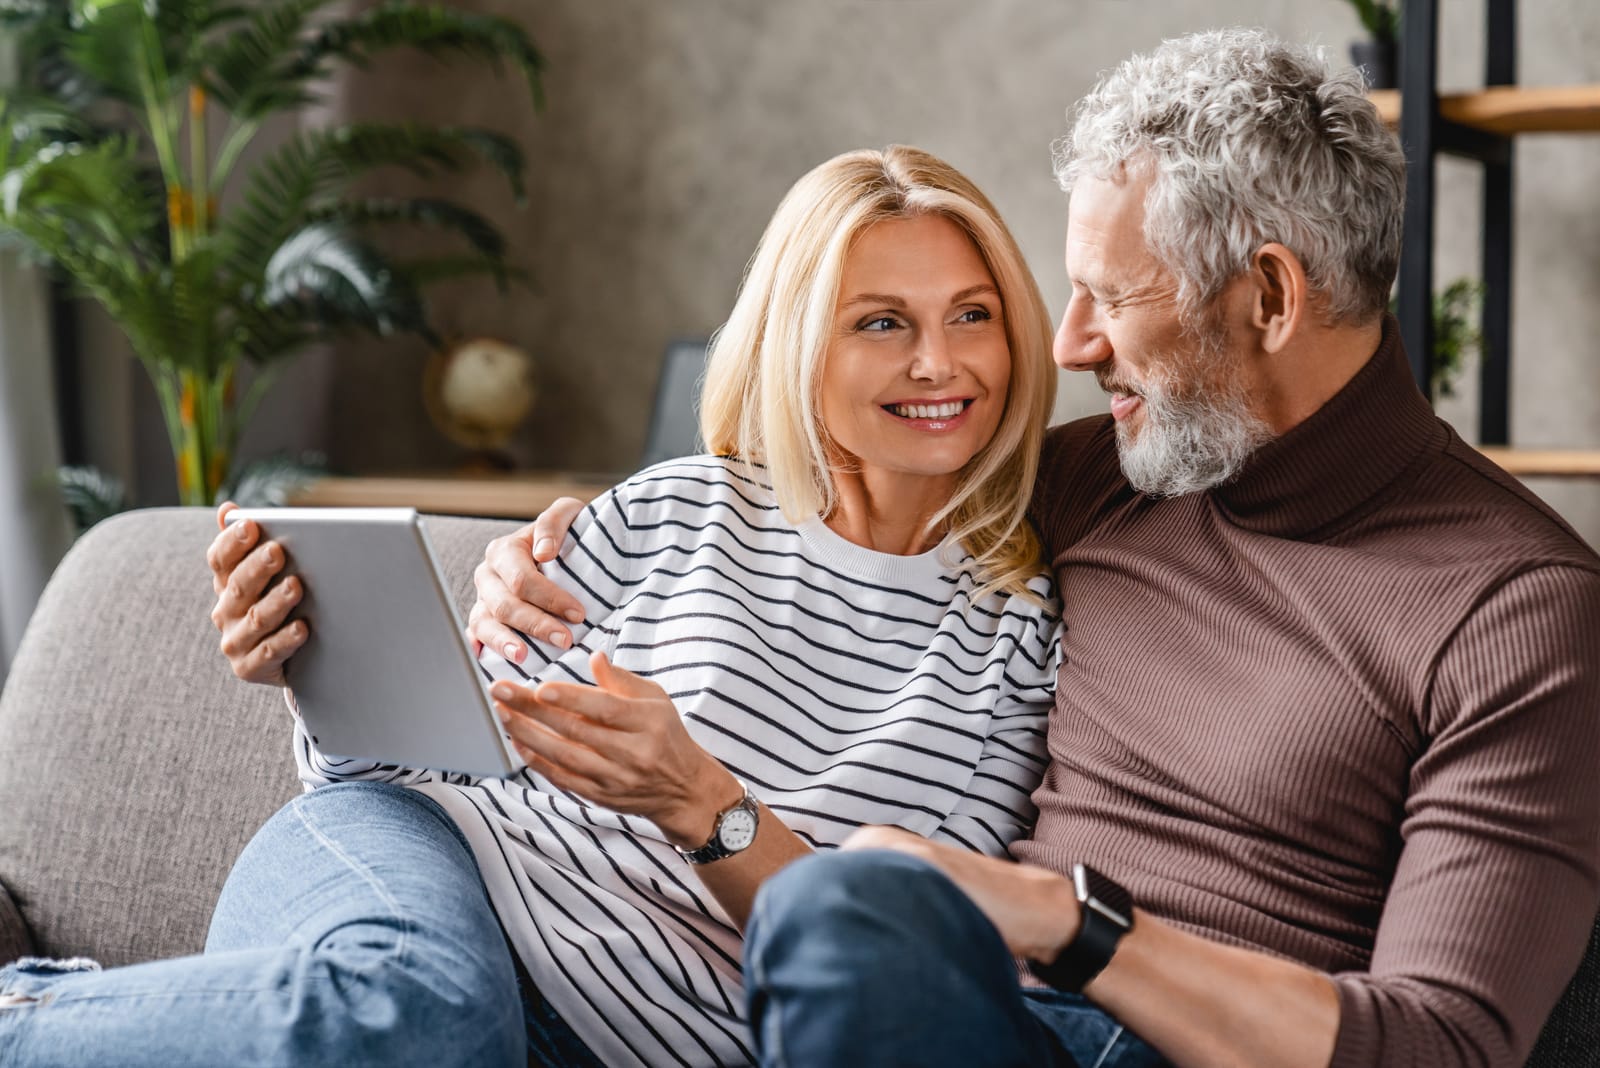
column 1105, row 915
column 715, row 849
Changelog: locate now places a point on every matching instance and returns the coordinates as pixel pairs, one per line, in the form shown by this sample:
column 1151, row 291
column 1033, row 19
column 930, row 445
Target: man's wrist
column 1065, row 920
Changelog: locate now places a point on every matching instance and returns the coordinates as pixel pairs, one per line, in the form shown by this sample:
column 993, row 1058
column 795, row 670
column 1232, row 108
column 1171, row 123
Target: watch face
column 738, row 829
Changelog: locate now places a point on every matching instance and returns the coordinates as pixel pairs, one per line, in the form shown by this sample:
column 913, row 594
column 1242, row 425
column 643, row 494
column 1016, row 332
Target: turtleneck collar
column 1340, row 457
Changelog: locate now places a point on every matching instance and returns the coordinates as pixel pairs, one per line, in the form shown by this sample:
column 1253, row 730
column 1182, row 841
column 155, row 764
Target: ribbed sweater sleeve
column 1495, row 891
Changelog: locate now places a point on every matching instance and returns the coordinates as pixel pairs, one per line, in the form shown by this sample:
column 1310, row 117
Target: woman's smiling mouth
column 931, row 415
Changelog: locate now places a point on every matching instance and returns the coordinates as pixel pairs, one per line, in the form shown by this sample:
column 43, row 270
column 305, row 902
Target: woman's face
column 915, row 377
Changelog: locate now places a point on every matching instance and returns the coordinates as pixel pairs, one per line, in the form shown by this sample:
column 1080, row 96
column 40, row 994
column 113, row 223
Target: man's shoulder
column 1484, row 511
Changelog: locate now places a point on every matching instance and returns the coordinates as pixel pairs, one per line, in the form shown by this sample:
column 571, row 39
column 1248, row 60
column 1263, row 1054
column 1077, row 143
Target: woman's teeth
column 928, row 411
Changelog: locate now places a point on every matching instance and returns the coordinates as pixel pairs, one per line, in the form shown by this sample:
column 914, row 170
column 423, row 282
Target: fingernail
column 242, row 528
column 574, row 615
column 503, row 691
column 513, row 651
column 561, row 639
column 543, row 545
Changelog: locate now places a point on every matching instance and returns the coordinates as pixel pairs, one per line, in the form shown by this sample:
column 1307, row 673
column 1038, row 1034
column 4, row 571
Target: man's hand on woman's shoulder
column 514, row 596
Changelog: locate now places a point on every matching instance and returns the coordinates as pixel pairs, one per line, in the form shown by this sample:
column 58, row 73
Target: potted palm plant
column 109, row 172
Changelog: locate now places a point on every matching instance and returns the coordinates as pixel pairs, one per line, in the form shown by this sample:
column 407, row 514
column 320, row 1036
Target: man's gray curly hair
column 1249, row 141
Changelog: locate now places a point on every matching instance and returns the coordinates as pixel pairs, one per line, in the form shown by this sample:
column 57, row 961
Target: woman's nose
column 1079, row 344
column 932, row 359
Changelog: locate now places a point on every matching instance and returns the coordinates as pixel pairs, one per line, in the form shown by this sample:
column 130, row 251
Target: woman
column 839, row 618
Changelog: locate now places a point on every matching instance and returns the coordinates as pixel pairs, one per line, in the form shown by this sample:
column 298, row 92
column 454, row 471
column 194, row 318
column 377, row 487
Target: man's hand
column 513, row 595
column 622, row 745
column 254, row 638
column 1035, row 910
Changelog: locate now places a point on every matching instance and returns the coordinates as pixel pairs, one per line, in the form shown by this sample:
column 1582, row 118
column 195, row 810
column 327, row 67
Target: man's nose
column 1079, row 343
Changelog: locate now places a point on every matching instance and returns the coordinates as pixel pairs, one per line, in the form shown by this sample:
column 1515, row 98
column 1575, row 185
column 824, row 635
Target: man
column 1325, row 729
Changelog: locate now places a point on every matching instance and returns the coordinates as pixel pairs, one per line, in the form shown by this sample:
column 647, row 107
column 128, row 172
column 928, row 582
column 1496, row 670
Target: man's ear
column 1279, row 295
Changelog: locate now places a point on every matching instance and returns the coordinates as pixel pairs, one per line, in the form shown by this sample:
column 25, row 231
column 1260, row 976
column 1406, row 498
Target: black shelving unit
column 1425, row 133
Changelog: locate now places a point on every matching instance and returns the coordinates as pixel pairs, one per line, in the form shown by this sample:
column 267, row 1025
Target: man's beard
column 1198, row 425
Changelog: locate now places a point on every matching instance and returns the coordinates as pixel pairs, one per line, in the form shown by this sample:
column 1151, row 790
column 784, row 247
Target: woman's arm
column 622, row 744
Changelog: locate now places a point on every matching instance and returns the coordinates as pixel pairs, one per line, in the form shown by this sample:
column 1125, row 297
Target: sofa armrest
column 15, row 938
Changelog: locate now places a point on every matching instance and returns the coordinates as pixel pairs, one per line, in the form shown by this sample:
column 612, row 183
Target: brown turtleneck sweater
column 1345, row 709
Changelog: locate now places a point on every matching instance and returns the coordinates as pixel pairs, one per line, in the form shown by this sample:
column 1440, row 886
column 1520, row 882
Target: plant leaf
column 433, row 29
column 339, row 280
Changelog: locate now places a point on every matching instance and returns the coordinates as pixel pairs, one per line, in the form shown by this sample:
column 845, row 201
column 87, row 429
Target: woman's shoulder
column 706, row 484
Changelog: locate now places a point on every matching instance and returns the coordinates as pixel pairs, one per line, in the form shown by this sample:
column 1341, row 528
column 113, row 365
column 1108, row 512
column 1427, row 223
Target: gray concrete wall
column 673, row 128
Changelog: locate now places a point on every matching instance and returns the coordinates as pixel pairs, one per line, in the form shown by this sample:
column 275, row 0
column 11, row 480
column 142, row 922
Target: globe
column 478, row 392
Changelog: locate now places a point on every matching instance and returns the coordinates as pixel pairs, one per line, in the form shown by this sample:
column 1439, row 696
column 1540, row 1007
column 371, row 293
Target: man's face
column 1184, row 417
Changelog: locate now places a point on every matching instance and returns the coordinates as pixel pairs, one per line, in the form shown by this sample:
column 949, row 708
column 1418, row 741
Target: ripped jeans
column 354, row 930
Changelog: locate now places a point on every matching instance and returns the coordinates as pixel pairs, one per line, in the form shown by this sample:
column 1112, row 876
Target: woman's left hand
column 621, row 744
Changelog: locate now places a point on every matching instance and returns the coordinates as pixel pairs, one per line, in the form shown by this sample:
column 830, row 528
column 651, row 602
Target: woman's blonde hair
column 764, row 374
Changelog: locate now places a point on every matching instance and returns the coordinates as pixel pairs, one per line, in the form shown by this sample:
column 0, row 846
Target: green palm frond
column 271, row 482
column 341, row 280
column 104, row 43
column 258, row 69
column 479, row 232
column 99, row 193
column 319, row 164
column 90, row 495
column 434, row 30
column 36, row 116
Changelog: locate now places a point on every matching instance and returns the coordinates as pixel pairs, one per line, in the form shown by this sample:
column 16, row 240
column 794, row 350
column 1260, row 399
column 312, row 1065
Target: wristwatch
column 1105, row 911
column 735, row 830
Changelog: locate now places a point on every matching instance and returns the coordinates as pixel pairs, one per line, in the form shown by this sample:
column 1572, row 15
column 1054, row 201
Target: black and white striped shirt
column 845, row 686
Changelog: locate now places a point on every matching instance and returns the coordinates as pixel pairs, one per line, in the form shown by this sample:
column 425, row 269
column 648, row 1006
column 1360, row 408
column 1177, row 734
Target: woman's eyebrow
column 881, row 299
column 973, row 291
column 886, row 300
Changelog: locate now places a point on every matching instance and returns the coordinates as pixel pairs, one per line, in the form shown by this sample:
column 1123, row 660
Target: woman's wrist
column 690, row 824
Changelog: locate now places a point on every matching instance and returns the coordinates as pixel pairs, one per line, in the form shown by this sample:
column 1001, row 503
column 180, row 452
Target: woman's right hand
column 254, row 638
column 514, row 595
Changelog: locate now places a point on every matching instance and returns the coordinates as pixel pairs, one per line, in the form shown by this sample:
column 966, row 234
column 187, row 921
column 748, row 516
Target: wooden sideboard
column 518, row 495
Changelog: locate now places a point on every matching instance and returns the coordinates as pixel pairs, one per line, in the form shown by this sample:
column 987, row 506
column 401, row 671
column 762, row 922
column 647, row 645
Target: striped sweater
column 844, row 686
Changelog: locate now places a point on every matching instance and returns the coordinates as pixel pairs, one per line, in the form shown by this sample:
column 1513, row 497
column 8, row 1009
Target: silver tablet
column 386, row 673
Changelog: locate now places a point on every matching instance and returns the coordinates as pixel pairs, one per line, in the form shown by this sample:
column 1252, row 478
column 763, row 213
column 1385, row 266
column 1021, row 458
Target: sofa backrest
column 133, row 765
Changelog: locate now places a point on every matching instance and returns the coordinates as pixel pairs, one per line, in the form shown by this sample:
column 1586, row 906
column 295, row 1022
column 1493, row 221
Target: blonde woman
column 838, row 618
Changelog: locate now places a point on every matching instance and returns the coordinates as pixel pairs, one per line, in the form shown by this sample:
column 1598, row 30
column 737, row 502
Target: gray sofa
column 134, row 767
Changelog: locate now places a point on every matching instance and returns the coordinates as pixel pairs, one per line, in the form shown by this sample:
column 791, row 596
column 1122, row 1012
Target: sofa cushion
column 136, row 766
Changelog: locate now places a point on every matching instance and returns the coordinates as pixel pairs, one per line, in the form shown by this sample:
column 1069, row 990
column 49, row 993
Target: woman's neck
column 888, row 513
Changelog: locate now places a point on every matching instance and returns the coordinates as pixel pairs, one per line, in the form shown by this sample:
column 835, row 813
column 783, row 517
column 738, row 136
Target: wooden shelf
column 1555, row 463
column 520, row 495
column 1510, row 109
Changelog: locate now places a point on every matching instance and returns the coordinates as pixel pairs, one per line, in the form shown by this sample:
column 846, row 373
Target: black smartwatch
column 1105, row 914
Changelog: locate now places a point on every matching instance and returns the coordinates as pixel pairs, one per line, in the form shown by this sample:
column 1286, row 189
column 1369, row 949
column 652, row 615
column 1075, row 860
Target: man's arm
column 1487, row 915
column 1202, row 1004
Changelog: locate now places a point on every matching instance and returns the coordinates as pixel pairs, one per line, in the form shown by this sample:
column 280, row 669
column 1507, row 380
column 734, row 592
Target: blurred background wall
column 673, row 128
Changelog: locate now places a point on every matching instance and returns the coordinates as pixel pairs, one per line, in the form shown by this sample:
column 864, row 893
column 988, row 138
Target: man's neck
column 1292, row 385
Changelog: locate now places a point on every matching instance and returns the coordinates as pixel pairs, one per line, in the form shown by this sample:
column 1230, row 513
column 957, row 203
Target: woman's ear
column 1279, row 295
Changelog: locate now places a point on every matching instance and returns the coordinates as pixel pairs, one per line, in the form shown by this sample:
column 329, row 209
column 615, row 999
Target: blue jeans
column 353, row 930
column 877, row 958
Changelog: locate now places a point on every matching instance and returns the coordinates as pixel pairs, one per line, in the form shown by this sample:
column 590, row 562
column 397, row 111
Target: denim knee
column 459, row 1007
column 867, row 905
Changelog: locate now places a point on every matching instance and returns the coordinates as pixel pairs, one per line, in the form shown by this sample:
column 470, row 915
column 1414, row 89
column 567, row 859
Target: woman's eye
column 881, row 324
column 974, row 315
